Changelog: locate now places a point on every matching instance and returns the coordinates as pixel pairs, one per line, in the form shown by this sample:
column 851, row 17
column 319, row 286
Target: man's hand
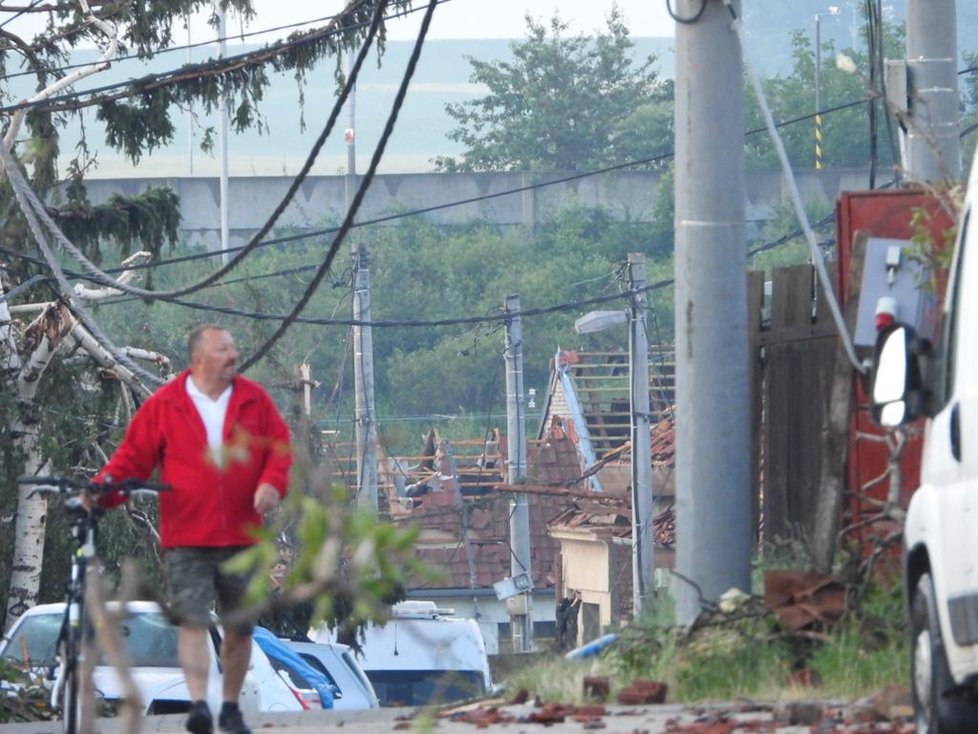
column 266, row 498
column 88, row 500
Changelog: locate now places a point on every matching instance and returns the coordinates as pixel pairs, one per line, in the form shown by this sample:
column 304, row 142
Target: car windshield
column 425, row 687
column 355, row 668
column 149, row 638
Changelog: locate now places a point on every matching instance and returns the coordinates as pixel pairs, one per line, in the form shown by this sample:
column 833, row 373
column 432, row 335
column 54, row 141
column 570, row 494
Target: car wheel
column 935, row 711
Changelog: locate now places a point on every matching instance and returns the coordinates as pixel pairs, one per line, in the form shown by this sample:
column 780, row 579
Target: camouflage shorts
column 195, row 582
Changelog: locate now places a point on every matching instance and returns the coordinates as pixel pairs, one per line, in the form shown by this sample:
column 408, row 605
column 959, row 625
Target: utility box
column 885, row 217
column 889, row 272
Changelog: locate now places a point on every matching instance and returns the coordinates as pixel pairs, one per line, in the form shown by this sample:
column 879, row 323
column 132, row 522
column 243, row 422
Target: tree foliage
column 845, row 131
column 62, row 412
column 138, row 115
column 563, row 104
column 969, row 107
column 419, row 273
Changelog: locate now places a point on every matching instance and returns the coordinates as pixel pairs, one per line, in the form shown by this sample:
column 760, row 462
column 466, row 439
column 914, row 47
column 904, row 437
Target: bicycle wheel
column 70, row 695
column 72, row 698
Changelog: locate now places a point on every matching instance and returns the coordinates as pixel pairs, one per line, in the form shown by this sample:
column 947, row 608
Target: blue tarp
column 592, row 648
column 279, row 651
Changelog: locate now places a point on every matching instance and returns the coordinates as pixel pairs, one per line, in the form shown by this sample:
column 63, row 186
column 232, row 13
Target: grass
column 743, row 655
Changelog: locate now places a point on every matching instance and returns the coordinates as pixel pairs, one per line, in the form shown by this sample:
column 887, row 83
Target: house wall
column 585, row 568
column 620, row 576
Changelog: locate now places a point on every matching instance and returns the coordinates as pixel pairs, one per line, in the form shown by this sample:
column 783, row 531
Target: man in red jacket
column 222, row 446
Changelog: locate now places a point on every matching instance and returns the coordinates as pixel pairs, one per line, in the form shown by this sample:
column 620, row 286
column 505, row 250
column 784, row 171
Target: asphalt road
column 790, row 718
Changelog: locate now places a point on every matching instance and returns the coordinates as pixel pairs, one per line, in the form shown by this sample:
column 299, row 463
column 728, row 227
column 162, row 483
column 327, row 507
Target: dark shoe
column 199, row 720
column 232, row 722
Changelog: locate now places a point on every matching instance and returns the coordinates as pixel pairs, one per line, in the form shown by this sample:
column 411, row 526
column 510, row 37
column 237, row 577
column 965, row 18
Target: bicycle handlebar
column 56, row 484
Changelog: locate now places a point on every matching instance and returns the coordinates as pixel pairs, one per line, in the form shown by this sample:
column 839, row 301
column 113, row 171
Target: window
column 150, row 640
column 424, row 687
column 35, row 641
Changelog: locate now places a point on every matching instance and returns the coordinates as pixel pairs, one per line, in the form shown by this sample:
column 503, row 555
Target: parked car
column 423, row 655
column 941, row 542
column 151, row 641
column 311, row 682
column 352, row 688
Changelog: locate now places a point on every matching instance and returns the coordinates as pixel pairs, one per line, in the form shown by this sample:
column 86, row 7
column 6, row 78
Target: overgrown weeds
column 744, row 654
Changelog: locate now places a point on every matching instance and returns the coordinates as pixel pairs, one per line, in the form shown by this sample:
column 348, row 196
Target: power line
column 383, row 323
column 309, row 234
column 15, row 16
column 215, row 67
column 417, row 212
column 361, row 190
column 105, row 279
column 484, row 197
column 188, row 46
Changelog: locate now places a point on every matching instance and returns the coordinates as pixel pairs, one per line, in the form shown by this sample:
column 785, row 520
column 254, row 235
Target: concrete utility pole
column 933, row 146
column 350, row 137
column 713, row 484
column 521, row 622
column 643, row 558
column 363, row 381
column 222, row 141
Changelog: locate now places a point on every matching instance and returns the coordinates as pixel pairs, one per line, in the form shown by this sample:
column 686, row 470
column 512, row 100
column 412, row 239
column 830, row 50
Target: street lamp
column 643, row 560
column 833, row 10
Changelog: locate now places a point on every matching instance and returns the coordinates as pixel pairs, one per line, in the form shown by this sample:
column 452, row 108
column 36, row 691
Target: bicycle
column 66, row 691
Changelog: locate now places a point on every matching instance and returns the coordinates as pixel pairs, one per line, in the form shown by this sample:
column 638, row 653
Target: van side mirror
column 897, row 391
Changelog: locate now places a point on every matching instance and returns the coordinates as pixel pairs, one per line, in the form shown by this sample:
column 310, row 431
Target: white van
column 941, row 532
column 423, row 655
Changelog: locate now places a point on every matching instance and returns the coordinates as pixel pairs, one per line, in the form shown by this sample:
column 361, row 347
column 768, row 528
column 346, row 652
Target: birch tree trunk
column 44, row 334
column 53, row 327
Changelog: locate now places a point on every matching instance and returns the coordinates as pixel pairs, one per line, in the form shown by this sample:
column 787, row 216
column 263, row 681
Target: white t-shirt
column 212, row 412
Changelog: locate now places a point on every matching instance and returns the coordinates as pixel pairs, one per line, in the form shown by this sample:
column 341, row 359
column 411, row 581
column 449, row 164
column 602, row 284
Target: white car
column 151, row 641
column 353, row 688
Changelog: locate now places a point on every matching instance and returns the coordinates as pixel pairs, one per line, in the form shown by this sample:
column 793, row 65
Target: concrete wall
column 319, row 202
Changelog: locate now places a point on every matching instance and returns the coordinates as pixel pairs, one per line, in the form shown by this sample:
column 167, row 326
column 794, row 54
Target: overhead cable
column 817, row 257
column 105, row 279
column 20, row 187
column 69, row 101
column 361, row 190
column 188, row 46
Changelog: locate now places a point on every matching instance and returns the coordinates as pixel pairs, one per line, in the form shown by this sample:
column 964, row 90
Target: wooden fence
column 793, row 344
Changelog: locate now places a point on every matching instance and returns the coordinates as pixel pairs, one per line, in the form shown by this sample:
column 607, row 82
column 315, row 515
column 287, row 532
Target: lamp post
column 643, row 559
column 833, row 10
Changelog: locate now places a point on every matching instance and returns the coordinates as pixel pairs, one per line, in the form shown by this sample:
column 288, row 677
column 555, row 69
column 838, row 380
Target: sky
column 453, row 19
column 456, row 19
column 505, row 18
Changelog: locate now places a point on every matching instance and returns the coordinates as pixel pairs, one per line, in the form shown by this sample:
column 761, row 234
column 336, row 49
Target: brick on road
column 614, row 719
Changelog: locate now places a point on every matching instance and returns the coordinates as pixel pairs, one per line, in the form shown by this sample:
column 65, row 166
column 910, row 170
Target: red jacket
column 207, row 505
